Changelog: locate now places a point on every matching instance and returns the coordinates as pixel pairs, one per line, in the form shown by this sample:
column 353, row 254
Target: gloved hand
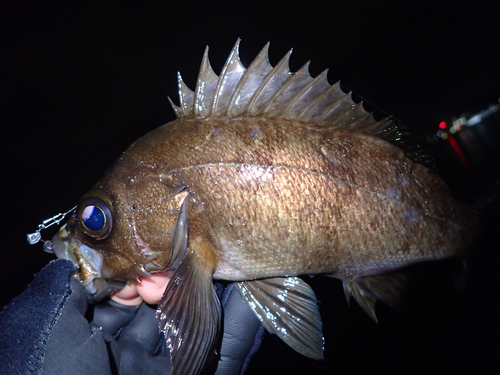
column 46, row 330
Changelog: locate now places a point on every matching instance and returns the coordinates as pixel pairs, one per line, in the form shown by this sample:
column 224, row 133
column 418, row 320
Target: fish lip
column 60, row 243
column 89, row 262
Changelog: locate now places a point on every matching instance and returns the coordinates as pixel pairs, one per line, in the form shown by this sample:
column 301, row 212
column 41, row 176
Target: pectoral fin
column 189, row 315
column 287, row 307
column 180, row 237
column 367, row 290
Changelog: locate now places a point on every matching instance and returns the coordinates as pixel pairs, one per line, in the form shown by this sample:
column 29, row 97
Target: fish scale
column 265, row 175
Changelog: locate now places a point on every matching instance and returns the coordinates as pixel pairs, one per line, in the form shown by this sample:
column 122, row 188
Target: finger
column 151, row 289
column 142, row 347
column 144, row 328
column 111, row 316
column 128, row 296
column 240, row 340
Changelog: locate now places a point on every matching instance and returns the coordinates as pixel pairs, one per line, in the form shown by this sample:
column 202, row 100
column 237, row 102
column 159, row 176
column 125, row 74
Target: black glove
column 239, row 341
column 45, row 330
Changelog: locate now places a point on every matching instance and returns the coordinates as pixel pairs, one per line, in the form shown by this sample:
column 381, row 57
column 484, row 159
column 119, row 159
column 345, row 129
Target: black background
column 80, row 81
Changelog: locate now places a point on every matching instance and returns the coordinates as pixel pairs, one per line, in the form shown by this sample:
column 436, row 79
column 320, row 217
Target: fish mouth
column 89, row 262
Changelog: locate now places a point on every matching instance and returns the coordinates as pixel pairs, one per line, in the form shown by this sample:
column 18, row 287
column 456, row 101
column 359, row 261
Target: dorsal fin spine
column 350, row 117
column 186, row 96
column 250, row 81
column 366, row 122
column 357, row 115
column 205, row 88
column 177, row 109
column 332, row 108
column 275, row 77
column 293, row 100
column 228, row 79
column 277, row 104
column 321, row 104
column 313, row 89
column 264, row 90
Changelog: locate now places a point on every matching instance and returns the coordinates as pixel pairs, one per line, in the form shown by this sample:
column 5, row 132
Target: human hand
column 240, row 341
column 149, row 290
column 47, row 329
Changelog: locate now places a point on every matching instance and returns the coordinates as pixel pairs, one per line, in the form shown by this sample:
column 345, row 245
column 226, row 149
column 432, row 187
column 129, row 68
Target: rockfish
column 265, row 175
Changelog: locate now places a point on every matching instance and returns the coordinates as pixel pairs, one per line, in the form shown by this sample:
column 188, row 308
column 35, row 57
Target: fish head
column 122, row 229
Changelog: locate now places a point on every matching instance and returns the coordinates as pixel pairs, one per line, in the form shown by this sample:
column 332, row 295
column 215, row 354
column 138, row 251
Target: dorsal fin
column 267, row 91
column 262, row 90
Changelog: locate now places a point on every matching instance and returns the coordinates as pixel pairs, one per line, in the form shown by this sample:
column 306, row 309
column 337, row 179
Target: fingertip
column 128, row 296
column 151, row 289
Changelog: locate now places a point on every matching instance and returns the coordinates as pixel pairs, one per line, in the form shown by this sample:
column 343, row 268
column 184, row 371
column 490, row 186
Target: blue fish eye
column 95, row 215
column 93, row 218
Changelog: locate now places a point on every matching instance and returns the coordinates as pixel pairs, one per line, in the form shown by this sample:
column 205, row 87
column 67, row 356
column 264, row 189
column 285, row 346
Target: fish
column 265, row 175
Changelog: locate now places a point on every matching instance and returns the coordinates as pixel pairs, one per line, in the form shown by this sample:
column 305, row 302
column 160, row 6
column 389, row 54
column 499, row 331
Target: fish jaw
column 89, row 262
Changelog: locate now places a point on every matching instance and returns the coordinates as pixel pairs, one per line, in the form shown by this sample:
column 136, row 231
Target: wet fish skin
column 278, row 203
column 265, row 175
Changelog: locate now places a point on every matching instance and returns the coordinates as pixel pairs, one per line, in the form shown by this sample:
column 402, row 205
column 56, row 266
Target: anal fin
column 287, row 307
column 367, row 290
column 189, row 315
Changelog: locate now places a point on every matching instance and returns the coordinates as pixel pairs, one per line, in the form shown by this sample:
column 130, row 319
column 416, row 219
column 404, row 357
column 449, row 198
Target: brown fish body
column 276, row 197
column 264, row 176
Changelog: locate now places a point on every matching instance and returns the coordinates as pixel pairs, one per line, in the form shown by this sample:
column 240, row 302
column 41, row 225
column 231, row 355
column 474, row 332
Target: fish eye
column 95, row 217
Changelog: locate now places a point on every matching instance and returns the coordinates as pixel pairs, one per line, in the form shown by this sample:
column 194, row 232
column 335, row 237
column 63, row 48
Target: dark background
column 80, row 81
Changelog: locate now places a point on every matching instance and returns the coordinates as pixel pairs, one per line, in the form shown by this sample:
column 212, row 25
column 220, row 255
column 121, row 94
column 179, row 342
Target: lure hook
column 36, row 237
